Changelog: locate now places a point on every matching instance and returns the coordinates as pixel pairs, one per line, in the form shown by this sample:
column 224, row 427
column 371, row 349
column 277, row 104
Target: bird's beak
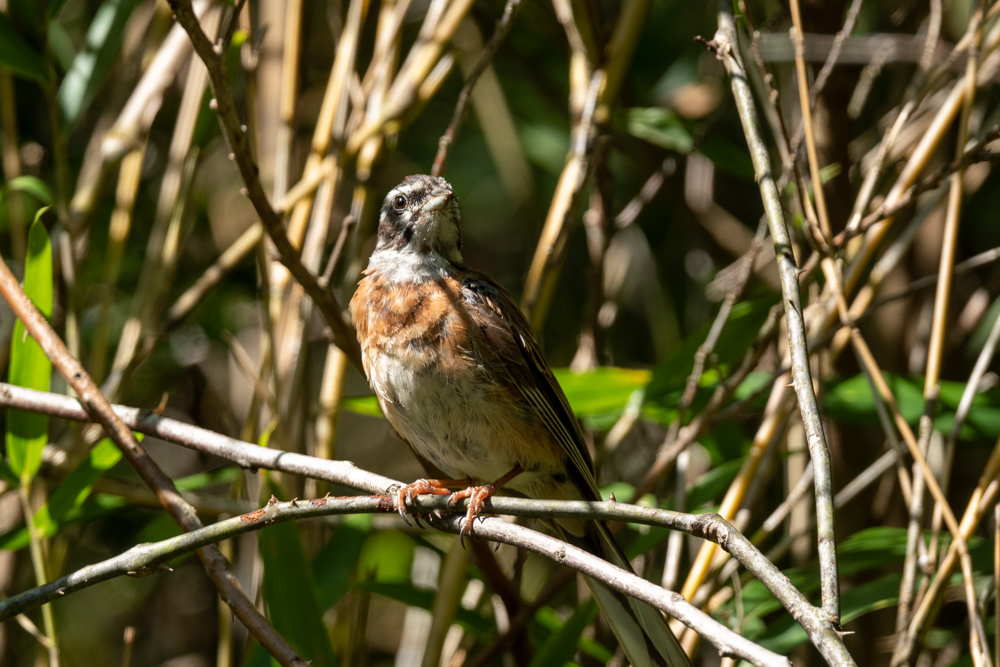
column 439, row 199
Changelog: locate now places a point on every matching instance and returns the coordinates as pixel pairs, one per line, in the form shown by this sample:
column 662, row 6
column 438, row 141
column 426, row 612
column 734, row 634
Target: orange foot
column 440, row 487
column 434, row 487
column 477, row 495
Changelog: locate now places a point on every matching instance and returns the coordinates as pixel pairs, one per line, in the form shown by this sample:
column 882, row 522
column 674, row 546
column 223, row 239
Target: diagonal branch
column 711, row 527
column 214, row 57
column 100, row 411
column 728, row 50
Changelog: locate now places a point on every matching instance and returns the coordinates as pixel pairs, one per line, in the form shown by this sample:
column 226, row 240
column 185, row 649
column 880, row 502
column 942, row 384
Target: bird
column 459, row 374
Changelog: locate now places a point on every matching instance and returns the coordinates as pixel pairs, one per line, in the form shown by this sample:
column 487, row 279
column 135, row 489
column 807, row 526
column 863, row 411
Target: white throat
column 402, row 266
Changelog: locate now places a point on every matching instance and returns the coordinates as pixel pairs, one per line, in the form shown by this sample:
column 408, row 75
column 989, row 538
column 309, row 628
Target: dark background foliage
column 350, row 591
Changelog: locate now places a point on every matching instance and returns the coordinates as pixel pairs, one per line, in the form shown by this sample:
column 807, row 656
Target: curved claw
column 408, row 492
column 477, row 495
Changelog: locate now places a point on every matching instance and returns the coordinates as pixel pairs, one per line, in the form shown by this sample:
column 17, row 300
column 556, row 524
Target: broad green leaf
column 362, row 405
column 70, row 493
column 27, row 432
column 561, row 646
column 98, row 507
column 741, row 329
column 334, row 566
column 784, row 634
column 18, row 56
column 660, row 127
column 387, row 555
column 94, row 61
column 601, row 390
column 61, row 47
column 33, row 186
column 290, row 593
column 852, row 400
column 547, row 620
column 200, row 480
column 597, row 392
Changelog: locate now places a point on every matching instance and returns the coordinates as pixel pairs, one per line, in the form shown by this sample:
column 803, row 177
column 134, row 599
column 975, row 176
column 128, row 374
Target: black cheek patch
column 408, row 232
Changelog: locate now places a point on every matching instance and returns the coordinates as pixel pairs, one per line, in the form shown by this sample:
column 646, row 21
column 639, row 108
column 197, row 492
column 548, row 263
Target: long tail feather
column 641, row 629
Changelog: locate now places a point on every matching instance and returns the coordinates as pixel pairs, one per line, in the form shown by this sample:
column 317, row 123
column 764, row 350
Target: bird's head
column 421, row 216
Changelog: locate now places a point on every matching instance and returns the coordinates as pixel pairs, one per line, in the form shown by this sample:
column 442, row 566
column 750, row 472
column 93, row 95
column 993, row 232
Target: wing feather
column 512, row 339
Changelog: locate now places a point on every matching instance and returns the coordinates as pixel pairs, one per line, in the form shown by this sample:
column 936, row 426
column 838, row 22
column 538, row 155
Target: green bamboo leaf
column 335, row 564
column 745, row 320
column 33, row 186
column 660, row 127
column 602, row 390
column 18, row 56
column 546, row 620
column 27, row 432
column 560, row 647
column 91, row 66
column 68, row 497
column 362, row 405
column 290, row 593
column 596, row 392
column 387, row 555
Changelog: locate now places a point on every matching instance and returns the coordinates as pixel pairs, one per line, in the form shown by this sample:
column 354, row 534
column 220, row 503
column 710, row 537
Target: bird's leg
column 434, row 487
column 477, row 495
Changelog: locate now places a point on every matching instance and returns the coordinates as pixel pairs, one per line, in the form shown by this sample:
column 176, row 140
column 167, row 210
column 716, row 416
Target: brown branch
column 236, row 135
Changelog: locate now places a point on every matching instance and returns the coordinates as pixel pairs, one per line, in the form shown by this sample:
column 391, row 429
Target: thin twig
column 248, row 455
column 238, row 141
column 504, row 25
column 727, row 39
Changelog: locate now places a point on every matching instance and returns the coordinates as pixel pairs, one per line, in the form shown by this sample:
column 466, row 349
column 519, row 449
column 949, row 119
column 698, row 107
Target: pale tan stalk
column 130, row 174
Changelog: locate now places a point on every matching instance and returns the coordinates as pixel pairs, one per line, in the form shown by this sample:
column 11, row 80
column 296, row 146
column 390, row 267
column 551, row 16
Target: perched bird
column 459, row 374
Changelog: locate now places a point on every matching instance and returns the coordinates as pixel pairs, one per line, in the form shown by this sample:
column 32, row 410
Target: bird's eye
column 399, row 203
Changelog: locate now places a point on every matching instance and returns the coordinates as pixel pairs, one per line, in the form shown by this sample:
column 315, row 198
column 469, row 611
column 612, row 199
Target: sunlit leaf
column 387, row 555
column 69, row 495
column 852, row 399
column 605, row 389
column 33, row 186
column 27, row 432
column 363, row 405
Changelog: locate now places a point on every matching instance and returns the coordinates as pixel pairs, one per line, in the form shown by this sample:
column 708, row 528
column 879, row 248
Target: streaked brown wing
column 517, row 355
